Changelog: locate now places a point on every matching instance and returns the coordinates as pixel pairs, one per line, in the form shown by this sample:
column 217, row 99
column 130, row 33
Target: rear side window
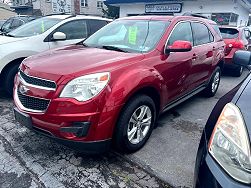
column 95, row 25
column 200, row 34
column 182, row 31
column 229, row 33
column 216, row 28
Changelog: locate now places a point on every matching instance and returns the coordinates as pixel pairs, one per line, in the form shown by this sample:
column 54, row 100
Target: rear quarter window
column 229, row 33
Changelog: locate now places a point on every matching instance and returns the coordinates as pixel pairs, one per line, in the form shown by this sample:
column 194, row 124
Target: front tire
column 214, row 83
column 135, row 124
column 9, row 77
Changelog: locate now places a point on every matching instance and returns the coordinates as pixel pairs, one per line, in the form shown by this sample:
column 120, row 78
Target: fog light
column 79, row 129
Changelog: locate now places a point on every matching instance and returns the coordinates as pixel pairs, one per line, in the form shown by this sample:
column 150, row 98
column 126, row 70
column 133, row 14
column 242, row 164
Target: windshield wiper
column 9, row 35
column 85, row 45
column 114, row 48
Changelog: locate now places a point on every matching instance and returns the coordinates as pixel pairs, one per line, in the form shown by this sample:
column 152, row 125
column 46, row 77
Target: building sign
column 61, row 6
column 164, row 8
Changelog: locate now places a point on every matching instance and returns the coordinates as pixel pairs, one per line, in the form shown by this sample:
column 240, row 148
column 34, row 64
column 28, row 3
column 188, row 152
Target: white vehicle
column 39, row 35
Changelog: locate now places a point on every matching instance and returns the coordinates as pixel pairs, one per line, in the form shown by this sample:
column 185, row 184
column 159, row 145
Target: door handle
column 194, row 56
column 214, row 48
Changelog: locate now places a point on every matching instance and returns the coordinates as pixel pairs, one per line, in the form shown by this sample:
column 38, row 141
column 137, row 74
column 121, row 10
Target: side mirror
column 179, row 46
column 58, row 36
column 242, row 58
column 247, row 34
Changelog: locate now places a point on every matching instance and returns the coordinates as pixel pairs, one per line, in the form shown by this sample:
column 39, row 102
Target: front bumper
column 64, row 119
column 91, row 147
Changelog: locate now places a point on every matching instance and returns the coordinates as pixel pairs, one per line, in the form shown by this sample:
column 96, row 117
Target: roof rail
column 66, row 14
column 54, row 14
column 84, row 14
column 155, row 14
column 194, row 15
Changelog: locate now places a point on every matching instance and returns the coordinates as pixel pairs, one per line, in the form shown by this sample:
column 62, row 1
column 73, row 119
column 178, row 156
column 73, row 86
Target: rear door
column 95, row 25
column 75, row 31
column 203, row 54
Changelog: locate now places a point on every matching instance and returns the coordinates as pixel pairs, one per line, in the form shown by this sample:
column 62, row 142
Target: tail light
column 237, row 44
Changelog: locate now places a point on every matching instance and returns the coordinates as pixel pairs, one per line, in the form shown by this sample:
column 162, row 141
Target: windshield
column 1, row 23
column 229, row 33
column 35, row 27
column 128, row 35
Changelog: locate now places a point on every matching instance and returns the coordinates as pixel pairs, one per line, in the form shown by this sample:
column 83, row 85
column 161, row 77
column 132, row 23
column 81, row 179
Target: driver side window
column 182, row 31
column 74, row 30
column 16, row 23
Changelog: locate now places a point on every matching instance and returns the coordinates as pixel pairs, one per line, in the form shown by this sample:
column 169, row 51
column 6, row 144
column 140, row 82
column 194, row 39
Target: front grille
column 37, row 81
column 32, row 103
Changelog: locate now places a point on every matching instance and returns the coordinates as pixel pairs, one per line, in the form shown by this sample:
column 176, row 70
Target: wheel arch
column 9, row 65
column 150, row 91
column 221, row 64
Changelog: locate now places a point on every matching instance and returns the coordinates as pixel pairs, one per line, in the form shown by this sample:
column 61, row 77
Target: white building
column 225, row 12
column 45, row 7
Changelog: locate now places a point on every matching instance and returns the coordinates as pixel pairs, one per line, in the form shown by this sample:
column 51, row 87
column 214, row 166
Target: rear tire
column 238, row 71
column 8, row 80
column 213, row 85
column 135, row 124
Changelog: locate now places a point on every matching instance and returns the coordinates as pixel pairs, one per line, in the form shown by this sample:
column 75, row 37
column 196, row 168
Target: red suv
column 113, row 86
column 235, row 39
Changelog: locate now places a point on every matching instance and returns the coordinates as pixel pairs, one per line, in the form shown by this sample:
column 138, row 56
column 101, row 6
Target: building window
column 84, row 3
column 99, row 4
column 225, row 18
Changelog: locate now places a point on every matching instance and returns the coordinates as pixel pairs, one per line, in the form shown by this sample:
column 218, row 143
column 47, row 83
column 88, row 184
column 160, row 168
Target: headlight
column 86, row 87
column 230, row 145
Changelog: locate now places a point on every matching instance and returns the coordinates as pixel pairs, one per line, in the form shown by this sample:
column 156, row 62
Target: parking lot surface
column 29, row 160
column 171, row 150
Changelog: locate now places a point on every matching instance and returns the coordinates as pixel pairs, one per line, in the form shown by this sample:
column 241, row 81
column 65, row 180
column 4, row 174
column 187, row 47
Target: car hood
column 244, row 103
column 6, row 39
column 73, row 61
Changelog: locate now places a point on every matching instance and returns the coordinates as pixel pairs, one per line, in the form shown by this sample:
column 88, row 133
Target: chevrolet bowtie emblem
column 23, row 89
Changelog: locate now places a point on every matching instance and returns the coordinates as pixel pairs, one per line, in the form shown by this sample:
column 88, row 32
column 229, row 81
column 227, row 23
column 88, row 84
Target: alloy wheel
column 216, row 82
column 139, row 124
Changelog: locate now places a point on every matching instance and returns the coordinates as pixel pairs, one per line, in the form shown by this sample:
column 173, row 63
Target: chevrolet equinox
column 112, row 87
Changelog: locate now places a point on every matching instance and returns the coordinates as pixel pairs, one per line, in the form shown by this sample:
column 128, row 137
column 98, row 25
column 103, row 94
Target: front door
column 75, row 32
column 176, row 67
